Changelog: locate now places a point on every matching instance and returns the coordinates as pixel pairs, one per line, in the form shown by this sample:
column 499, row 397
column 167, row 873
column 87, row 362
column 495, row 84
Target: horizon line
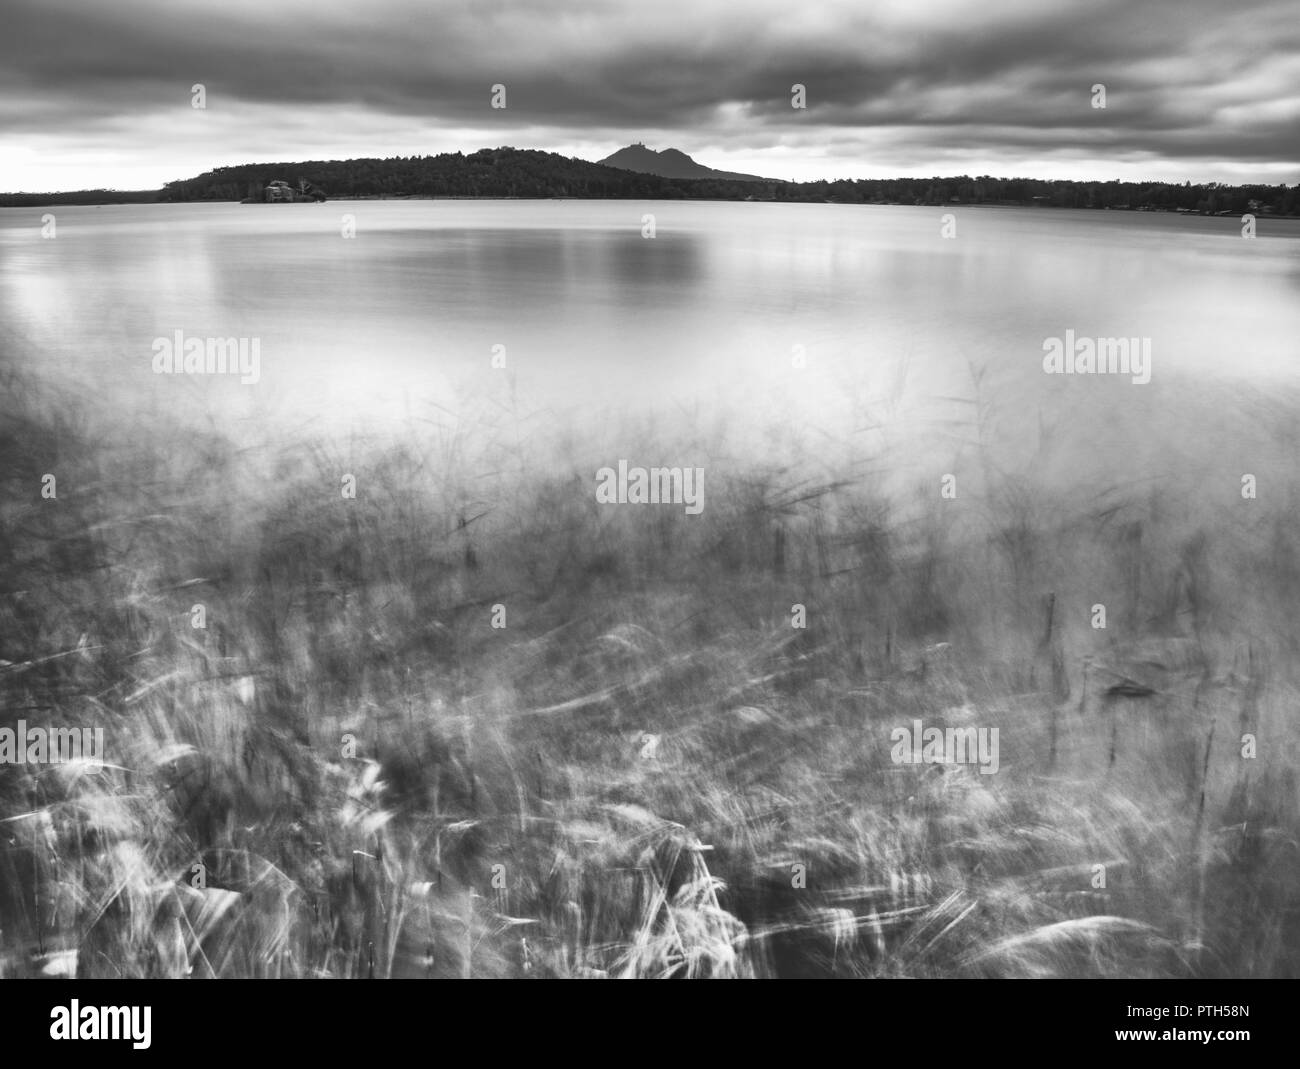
column 599, row 163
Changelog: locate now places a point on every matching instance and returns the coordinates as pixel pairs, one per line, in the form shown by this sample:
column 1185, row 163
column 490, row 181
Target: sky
column 100, row 93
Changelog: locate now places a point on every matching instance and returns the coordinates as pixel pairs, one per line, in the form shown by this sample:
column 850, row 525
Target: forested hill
column 508, row 172
column 502, row 172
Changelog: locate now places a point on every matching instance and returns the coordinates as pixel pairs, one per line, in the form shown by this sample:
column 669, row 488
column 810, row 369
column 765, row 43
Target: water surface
column 899, row 330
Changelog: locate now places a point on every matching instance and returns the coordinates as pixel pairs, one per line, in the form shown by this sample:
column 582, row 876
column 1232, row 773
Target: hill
column 499, row 172
column 669, row 163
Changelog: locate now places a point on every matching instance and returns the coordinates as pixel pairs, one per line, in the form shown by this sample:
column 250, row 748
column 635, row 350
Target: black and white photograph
column 683, row 490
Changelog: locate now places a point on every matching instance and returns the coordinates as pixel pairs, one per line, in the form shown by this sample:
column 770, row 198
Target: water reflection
column 595, row 318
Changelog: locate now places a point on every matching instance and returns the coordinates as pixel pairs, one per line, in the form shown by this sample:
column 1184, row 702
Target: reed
column 349, row 772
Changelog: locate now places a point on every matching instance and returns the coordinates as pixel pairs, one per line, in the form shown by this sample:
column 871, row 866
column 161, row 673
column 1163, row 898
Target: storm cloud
column 95, row 94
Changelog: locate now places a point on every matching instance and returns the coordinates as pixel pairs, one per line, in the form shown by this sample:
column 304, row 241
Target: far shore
column 113, row 198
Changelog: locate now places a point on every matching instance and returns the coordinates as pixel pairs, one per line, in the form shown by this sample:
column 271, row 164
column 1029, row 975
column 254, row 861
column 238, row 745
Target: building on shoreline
column 279, row 191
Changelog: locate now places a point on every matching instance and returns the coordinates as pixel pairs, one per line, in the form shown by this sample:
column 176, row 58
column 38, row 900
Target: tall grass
column 648, row 771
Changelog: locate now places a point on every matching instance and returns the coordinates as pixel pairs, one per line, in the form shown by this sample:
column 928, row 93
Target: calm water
column 597, row 321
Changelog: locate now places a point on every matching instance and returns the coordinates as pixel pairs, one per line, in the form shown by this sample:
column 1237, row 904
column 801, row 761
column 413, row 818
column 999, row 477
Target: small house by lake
column 279, row 191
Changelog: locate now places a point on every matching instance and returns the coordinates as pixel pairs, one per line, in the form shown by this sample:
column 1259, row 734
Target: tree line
column 508, row 172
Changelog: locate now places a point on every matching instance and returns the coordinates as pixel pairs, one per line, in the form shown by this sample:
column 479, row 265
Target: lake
column 837, row 320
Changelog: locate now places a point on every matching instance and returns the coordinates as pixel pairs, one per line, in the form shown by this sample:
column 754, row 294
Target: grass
column 648, row 772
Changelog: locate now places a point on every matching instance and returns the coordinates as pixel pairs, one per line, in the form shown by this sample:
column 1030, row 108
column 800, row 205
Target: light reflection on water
column 602, row 326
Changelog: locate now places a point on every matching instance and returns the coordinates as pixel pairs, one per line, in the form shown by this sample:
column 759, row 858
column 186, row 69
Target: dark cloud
column 1185, row 79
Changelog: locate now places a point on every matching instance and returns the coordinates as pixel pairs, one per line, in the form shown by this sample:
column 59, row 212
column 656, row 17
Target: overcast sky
column 98, row 92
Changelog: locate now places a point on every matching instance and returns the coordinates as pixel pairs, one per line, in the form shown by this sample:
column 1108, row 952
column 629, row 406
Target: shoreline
column 5, row 199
